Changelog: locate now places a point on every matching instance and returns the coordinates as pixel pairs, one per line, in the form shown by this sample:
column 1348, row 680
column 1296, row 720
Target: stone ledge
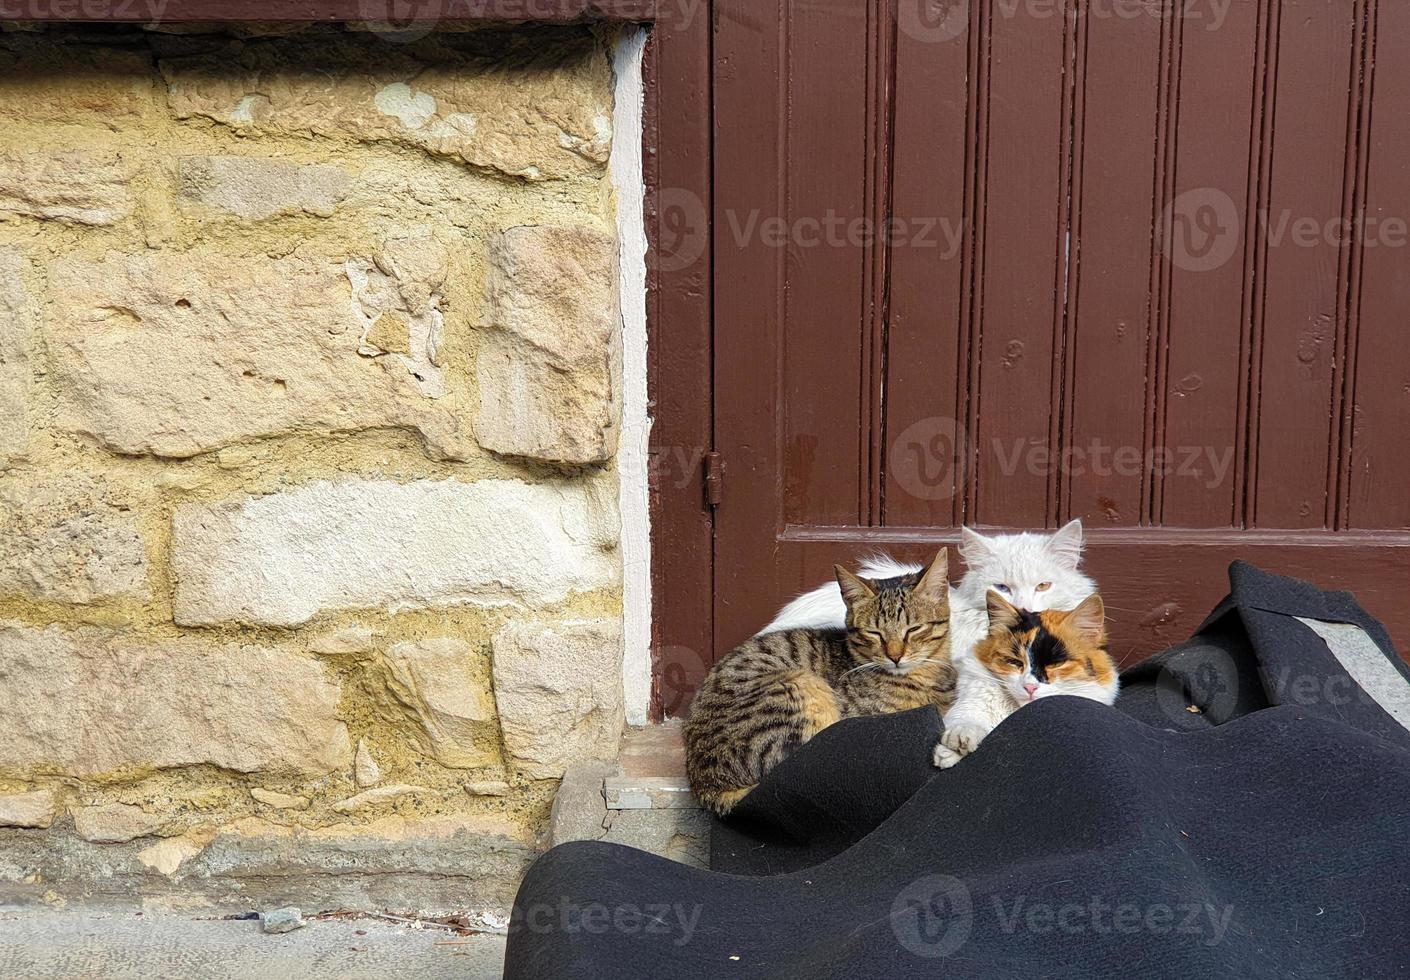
column 642, row 801
column 649, row 793
column 436, row 866
column 651, row 772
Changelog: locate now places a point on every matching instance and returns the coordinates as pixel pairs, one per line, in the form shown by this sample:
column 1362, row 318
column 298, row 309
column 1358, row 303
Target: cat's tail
column 819, row 609
column 884, row 567
column 725, row 800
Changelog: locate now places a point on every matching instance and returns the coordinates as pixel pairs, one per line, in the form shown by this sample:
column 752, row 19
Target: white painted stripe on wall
column 636, row 425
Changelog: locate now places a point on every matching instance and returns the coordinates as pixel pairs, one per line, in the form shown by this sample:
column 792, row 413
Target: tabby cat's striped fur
column 777, row 690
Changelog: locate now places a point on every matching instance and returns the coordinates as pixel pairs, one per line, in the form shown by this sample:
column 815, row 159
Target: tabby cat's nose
column 895, row 651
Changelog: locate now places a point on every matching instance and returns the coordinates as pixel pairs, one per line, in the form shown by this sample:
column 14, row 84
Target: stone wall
column 309, row 397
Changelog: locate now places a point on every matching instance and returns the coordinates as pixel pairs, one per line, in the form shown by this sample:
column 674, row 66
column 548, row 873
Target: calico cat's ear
column 934, row 585
column 854, row 589
column 1089, row 618
column 1003, row 615
column 974, row 547
column 1066, row 544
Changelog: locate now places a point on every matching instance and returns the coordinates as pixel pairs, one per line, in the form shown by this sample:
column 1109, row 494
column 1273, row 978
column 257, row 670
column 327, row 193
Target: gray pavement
column 73, row 944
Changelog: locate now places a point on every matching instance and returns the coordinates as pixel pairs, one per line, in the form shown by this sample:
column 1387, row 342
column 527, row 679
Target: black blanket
column 1243, row 812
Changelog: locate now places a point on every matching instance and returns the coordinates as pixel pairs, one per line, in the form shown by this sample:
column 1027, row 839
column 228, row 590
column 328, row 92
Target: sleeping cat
column 777, row 690
column 1026, row 656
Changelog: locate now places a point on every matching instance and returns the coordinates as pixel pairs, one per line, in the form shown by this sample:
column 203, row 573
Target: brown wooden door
column 1012, row 262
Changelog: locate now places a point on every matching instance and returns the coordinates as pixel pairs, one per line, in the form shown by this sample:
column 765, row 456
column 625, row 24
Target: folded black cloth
column 1241, row 813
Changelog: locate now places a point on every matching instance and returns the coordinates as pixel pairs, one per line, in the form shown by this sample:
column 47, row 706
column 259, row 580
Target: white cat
column 1033, row 571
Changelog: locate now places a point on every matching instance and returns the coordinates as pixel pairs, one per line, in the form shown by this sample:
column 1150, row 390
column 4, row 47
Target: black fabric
column 803, row 813
column 1261, row 834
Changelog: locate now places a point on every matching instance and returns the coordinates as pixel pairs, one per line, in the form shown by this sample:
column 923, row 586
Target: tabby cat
column 777, row 690
column 1024, row 657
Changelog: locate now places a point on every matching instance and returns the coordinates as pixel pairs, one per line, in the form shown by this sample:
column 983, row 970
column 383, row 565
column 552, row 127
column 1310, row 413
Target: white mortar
column 636, row 425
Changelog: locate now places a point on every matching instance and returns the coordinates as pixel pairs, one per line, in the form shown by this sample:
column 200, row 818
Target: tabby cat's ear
column 1090, row 619
column 1002, row 613
column 934, row 585
column 854, row 589
column 1066, row 544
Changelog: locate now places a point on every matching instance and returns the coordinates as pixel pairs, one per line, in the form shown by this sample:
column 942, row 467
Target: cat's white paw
column 963, row 739
column 945, row 758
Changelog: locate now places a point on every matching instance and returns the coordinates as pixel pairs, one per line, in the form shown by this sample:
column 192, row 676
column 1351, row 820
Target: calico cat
column 1026, row 656
column 777, row 690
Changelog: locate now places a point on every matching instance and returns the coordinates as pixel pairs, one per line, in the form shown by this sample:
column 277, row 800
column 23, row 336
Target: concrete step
column 642, row 800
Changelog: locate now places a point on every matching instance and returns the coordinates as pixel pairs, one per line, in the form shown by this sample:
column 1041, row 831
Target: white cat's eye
column 1002, row 588
column 1044, row 586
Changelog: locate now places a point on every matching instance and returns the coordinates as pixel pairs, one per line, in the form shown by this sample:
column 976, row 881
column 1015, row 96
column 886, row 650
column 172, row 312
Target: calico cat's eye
column 1013, row 661
column 1044, row 586
column 1002, row 588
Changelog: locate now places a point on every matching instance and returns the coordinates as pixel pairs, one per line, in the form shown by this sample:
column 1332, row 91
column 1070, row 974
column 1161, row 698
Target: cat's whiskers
column 870, row 664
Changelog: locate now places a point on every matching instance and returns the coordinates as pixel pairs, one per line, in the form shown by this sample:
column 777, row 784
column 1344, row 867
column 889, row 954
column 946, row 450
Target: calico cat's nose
column 1031, row 688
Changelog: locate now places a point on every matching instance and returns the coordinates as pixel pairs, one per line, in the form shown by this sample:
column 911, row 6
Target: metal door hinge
column 714, row 479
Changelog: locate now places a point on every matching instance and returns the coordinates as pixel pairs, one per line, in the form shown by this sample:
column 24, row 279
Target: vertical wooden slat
column 1166, row 228
column 926, row 336
column 876, row 252
column 749, row 300
column 1351, row 265
column 1026, row 166
column 1110, row 304
column 825, row 210
column 1308, row 159
column 1380, row 385
column 968, row 404
column 1199, row 383
column 677, row 73
column 1255, row 266
column 1066, row 267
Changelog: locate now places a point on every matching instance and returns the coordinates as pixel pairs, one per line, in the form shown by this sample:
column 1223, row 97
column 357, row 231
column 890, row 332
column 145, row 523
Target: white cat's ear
column 1066, row 544
column 1090, row 619
column 1002, row 613
column 974, row 547
column 854, row 589
column 934, row 585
